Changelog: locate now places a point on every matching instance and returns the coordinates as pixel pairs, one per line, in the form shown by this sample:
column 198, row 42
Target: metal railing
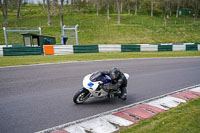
column 71, row 28
column 18, row 30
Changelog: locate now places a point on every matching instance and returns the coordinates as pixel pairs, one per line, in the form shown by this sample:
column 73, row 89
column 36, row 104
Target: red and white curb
column 111, row 121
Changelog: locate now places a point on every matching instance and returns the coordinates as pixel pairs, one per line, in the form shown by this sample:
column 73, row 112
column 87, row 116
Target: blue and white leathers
column 92, row 86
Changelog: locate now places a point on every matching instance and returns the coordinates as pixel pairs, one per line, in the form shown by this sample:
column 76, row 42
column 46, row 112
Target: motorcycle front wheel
column 81, row 96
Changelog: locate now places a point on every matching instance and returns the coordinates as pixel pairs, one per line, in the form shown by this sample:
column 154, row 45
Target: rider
column 118, row 80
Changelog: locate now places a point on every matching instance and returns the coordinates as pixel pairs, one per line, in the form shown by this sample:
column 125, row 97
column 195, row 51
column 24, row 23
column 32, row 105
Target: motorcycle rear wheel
column 81, row 96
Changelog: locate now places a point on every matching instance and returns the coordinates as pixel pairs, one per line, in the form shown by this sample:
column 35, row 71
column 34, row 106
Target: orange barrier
column 48, row 49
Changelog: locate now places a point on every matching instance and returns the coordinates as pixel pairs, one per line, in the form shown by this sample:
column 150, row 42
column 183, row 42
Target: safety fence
column 70, row 49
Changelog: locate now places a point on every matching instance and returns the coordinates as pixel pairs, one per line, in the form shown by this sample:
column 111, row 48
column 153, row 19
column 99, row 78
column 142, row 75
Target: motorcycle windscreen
column 97, row 76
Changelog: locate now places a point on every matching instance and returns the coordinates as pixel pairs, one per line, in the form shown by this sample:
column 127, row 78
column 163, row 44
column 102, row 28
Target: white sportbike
column 95, row 85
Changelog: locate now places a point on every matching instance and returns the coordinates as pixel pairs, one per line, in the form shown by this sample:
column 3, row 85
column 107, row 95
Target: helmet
column 114, row 73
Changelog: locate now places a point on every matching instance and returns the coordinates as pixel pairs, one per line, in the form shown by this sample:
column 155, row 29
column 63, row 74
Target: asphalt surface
column 33, row 98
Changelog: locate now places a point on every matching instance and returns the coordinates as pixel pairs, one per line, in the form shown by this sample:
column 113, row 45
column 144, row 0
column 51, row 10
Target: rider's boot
column 110, row 95
column 123, row 95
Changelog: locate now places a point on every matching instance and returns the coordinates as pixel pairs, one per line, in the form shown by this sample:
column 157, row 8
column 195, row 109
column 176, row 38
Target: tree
column 196, row 6
column 18, row 9
column 136, row 7
column 55, row 4
column 129, row 10
column 165, row 5
column 97, row 6
column 72, row 2
column 4, row 8
column 61, row 13
column 43, row 4
column 119, row 9
column 108, row 9
column 152, row 8
column 48, row 6
column 178, row 6
column 121, row 6
column 79, row 4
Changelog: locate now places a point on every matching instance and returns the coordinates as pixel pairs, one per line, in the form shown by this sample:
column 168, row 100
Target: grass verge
column 99, row 30
column 183, row 119
column 27, row 60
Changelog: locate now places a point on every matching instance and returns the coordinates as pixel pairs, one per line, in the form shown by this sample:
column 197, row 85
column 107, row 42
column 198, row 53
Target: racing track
column 37, row 97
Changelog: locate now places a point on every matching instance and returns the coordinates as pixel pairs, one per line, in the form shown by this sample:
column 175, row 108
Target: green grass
column 100, row 30
column 183, row 119
column 26, row 60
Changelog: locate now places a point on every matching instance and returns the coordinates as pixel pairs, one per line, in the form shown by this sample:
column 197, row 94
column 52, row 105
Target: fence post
column 63, row 30
column 5, row 36
column 62, row 34
column 76, row 32
column 40, row 30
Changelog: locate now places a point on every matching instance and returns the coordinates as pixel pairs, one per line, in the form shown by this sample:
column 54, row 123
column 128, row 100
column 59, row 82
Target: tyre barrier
column 13, row 51
column 70, row 49
column 126, row 48
column 86, row 49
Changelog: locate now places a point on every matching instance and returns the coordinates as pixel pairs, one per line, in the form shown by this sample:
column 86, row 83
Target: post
column 63, row 31
column 63, row 34
column 40, row 30
column 76, row 32
column 5, row 36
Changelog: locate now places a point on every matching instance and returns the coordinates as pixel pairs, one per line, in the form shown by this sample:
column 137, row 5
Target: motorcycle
column 96, row 85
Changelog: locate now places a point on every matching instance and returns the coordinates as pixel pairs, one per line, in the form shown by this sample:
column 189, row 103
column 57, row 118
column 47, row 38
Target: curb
column 111, row 121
